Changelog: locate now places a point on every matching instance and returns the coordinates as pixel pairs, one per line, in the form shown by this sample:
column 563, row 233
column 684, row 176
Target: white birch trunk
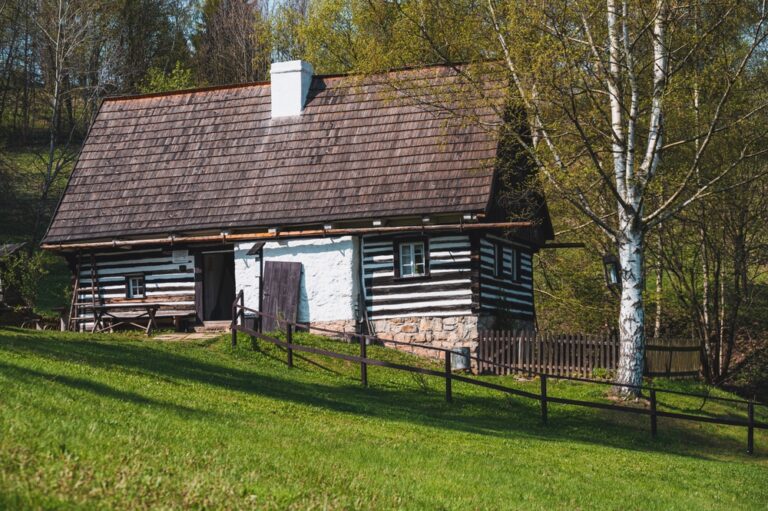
column 659, row 290
column 632, row 310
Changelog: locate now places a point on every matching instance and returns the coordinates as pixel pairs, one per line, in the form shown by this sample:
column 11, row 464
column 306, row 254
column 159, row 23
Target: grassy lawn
column 122, row 422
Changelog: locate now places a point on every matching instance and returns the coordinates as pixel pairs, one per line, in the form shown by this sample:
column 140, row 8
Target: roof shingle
column 208, row 159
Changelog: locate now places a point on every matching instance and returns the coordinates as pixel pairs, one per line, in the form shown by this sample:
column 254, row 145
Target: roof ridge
column 232, row 86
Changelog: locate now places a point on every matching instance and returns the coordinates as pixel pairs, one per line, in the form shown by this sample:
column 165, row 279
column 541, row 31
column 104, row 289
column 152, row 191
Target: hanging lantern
column 612, row 272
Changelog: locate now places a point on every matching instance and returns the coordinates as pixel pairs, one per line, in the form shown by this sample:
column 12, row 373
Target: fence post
column 363, row 365
column 543, row 379
column 653, row 413
column 234, row 323
column 751, row 428
column 289, row 339
column 448, row 389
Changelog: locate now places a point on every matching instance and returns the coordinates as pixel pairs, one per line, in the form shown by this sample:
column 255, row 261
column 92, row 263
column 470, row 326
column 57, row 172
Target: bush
column 21, row 274
column 750, row 378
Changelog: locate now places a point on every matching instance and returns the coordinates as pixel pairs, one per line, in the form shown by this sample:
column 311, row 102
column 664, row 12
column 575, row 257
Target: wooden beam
column 310, row 233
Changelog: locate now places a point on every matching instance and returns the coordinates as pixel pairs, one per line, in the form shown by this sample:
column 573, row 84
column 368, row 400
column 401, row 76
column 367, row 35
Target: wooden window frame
column 397, row 243
column 500, row 269
column 128, row 292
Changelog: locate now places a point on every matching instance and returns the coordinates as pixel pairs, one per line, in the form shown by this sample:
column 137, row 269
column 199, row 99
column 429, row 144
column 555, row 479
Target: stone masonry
column 439, row 332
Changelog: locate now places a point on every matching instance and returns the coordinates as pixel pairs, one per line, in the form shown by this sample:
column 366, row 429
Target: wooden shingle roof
column 375, row 147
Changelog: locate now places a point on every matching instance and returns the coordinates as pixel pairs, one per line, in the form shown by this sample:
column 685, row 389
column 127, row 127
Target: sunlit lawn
column 121, row 422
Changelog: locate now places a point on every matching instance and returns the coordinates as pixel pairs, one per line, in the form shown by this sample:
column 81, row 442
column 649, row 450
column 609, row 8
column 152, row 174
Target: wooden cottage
column 376, row 201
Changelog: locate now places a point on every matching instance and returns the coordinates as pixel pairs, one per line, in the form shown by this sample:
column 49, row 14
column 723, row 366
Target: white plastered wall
column 329, row 278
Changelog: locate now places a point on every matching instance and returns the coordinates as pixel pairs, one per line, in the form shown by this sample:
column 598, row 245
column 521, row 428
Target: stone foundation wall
column 342, row 325
column 421, row 332
column 440, row 332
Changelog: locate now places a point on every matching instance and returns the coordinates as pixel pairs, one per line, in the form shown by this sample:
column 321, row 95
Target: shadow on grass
column 495, row 415
column 25, row 374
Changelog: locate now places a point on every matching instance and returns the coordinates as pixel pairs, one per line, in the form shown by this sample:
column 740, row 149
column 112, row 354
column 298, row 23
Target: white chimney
column 290, row 86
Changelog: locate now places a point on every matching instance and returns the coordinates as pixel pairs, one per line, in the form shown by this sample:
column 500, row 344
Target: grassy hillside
column 122, row 422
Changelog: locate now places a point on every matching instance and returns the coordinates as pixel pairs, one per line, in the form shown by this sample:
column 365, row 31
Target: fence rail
column 290, row 345
column 580, row 355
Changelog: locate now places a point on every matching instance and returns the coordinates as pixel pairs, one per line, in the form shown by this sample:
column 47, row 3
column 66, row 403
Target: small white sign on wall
column 180, row 256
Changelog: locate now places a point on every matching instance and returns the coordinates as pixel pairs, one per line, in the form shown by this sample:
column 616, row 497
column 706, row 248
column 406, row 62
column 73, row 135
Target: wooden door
column 281, row 293
column 218, row 285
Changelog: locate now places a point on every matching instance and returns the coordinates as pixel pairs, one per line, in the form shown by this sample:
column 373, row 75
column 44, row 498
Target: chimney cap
column 291, row 66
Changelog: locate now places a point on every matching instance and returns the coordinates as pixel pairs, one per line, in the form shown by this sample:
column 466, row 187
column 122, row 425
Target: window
column 135, row 286
column 506, row 262
column 412, row 259
column 180, row 256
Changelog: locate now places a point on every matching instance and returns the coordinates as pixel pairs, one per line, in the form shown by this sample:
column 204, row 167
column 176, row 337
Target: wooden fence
column 580, row 355
column 239, row 310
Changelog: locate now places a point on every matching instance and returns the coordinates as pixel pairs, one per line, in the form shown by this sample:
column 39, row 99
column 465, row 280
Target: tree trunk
column 659, row 288
column 632, row 311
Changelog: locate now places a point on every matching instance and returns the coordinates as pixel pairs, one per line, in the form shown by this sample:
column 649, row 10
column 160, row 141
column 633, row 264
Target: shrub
column 21, row 273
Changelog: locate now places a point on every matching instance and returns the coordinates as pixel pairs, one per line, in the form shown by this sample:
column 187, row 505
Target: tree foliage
column 22, row 273
column 159, row 81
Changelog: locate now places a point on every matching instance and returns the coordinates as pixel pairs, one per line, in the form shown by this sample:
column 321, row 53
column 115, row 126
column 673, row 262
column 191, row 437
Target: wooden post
column 234, row 323
column 448, row 389
column 751, row 428
column 241, row 302
column 480, row 351
column 151, row 325
column 289, row 340
column 653, row 413
column 544, row 399
column 363, row 365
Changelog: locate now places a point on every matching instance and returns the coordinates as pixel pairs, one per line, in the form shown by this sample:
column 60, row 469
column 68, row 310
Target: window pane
column 418, row 251
column 418, row 257
column 405, row 254
column 405, row 260
column 412, row 259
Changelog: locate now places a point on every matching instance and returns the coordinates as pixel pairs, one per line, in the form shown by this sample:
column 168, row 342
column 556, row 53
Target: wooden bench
column 107, row 317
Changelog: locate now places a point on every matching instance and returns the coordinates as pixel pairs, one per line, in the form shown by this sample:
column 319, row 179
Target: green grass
column 122, row 422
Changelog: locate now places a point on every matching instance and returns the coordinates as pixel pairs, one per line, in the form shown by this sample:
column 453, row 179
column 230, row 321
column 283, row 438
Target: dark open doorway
column 218, row 285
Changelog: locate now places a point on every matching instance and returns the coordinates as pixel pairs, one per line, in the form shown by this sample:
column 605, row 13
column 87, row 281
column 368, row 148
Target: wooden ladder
column 94, row 291
column 74, row 307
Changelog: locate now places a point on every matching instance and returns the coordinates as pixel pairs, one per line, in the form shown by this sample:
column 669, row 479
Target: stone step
column 213, row 326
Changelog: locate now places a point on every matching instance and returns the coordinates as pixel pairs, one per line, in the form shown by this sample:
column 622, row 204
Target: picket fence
column 583, row 355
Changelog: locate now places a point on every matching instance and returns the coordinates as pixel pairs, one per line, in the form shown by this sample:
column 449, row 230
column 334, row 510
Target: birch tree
column 603, row 85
